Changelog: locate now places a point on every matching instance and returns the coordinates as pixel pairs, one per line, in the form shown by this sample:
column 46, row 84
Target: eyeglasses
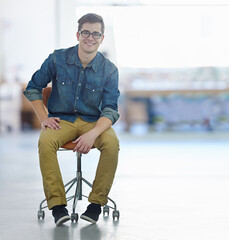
column 86, row 34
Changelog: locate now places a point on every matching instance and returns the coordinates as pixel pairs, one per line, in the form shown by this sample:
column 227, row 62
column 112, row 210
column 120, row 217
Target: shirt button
column 77, row 97
column 75, row 110
column 79, row 84
column 93, row 90
column 82, row 71
column 62, row 83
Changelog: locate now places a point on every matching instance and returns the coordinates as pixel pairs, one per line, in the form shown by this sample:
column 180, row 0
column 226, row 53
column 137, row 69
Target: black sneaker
column 92, row 213
column 60, row 214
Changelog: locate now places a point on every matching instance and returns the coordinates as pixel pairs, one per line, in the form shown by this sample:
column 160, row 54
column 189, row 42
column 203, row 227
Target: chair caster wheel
column 40, row 214
column 74, row 217
column 116, row 215
column 106, row 211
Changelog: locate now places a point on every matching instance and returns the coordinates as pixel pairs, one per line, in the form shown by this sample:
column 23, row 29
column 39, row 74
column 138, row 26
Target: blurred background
column 172, row 57
column 173, row 173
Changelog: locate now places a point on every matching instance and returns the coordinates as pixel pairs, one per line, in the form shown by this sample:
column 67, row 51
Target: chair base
column 78, row 182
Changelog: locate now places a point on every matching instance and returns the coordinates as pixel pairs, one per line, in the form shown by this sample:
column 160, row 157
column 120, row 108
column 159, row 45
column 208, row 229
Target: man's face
column 89, row 44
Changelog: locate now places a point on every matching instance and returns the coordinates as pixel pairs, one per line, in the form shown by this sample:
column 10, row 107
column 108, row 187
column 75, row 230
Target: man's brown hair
column 91, row 18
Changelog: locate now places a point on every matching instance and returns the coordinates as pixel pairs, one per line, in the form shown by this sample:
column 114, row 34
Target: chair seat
column 70, row 146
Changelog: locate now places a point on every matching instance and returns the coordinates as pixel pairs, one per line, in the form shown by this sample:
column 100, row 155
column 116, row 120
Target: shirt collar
column 73, row 58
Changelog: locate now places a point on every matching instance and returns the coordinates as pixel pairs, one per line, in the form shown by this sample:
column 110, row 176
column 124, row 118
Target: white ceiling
column 151, row 2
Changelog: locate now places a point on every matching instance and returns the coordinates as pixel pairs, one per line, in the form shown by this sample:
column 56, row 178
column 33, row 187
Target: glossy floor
column 167, row 187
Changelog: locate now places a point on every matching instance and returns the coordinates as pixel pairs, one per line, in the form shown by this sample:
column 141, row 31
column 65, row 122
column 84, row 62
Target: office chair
column 77, row 181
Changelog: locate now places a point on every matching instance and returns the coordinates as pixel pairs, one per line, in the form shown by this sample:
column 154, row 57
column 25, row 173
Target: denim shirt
column 88, row 93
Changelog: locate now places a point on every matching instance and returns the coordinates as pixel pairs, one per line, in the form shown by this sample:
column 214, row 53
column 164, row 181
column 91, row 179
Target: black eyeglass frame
column 92, row 34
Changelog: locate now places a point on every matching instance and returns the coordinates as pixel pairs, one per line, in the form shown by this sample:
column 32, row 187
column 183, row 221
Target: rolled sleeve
column 111, row 114
column 40, row 79
column 33, row 94
column 110, row 96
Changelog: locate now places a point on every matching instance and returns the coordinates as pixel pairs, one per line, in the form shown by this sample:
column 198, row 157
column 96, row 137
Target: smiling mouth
column 89, row 44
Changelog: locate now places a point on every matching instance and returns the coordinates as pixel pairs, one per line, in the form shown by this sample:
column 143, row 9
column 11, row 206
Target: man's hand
column 85, row 142
column 52, row 122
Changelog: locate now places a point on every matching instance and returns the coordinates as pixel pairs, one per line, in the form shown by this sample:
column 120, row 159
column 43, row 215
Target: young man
column 82, row 108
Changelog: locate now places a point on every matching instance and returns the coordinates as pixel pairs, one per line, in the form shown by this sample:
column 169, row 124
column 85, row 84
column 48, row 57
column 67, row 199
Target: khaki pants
column 51, row 140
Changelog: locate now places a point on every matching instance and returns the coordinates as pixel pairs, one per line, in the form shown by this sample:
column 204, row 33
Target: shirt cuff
column 33, row 94
column 111, row 114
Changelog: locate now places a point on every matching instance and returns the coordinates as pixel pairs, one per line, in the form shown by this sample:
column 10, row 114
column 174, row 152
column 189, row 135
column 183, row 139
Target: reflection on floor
column 167, row 187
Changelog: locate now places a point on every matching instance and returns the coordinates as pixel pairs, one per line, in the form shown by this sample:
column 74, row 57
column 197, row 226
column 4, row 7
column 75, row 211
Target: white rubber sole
column 87, row 219
column 63, row 220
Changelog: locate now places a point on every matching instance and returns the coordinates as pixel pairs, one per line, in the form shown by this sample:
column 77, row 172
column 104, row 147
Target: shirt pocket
column 64, row 88
column 92, row 95
column 63, row 81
